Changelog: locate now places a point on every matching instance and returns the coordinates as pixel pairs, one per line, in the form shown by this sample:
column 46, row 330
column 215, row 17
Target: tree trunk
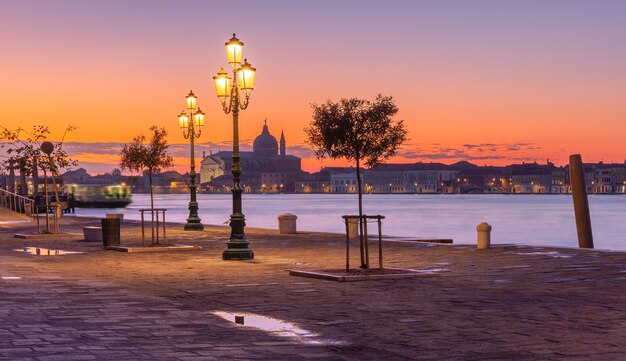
column 361, row 220
column 11, row 185
column 56, row 194
column 23, row 185
column 35, row 177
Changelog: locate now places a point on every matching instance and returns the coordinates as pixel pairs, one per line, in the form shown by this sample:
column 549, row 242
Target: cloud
column 470, row 152
column 301, row 150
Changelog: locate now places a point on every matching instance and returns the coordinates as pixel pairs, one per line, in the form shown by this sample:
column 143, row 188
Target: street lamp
column 234, row 95
column 191, row 122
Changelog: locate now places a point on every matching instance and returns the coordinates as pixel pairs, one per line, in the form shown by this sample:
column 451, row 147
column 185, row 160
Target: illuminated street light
column 234, row 94
column 191, row 123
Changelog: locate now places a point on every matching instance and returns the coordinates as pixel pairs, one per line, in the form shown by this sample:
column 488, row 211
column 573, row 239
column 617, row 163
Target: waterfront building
column 345, row 182
column 608, row 178
column 411, row 178
column 560, row 181
column 483, row 180
column 267, row 168
column 320, row 182
column 78, row 176
column 531, row 177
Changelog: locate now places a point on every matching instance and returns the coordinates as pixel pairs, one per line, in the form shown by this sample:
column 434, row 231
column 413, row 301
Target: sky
column 492, row 82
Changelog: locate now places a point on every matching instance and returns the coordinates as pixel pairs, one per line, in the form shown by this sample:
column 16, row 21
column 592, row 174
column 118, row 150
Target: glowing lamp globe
column 183, row 121
column 191, row 101
column 222, row 85
column 199, row 118
column 234, row 49
column 246, row 75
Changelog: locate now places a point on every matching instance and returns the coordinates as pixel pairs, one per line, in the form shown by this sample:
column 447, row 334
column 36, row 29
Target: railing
column 18, row 204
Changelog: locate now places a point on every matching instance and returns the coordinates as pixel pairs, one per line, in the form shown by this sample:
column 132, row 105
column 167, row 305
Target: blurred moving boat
column 99, row 196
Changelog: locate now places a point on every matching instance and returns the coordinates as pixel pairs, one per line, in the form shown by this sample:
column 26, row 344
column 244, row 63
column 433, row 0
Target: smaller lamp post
column 191, row 123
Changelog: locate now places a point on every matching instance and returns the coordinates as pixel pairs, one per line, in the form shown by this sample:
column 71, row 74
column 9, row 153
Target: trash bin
column 119, row 216
column 110, row 232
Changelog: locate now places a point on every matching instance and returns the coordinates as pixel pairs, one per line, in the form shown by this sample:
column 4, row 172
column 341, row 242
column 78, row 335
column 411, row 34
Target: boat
column 99, row 196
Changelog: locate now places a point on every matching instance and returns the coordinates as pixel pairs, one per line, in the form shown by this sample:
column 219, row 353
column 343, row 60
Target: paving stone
column 104, row 305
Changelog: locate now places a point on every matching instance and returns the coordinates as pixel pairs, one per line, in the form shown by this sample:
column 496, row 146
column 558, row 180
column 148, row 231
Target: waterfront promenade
column 507, row 303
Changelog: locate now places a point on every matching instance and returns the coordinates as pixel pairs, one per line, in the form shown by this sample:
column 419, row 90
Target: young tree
column 23, row 149
column 357, row 130
column 152, row 156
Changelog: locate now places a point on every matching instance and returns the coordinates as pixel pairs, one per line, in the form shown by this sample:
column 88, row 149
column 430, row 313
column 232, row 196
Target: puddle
column 275, row 327
column 11, row 222
column 429, row 270
column 554, row 254
column 38, row 251
column 514, row 267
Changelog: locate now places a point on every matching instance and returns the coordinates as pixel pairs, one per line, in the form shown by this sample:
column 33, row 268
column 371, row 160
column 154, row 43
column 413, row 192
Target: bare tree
column 357, row 130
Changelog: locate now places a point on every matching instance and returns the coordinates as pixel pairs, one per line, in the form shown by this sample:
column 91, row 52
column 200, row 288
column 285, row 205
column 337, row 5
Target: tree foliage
column 357, row 130
column 23, row 150
column 151, row 155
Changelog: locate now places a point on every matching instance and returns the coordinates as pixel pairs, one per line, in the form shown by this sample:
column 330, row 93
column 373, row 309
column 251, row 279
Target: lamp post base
column 238, row 251
column 194, row 226
column 193, row 221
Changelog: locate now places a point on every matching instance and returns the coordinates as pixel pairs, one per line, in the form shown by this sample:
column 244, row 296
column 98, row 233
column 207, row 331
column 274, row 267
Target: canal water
column 521, row 219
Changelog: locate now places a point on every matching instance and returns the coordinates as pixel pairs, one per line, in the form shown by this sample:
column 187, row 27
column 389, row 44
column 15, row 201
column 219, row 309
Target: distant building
column 267, row 168
column 483, row 180
column 531, row 177
column 320, row 182
column 410, row 178
column 79, row 176
column 609, row 178
column 345, row 182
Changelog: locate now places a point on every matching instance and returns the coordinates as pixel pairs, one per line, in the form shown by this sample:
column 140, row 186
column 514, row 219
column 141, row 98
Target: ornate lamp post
column 191, row 123
column 234, row 96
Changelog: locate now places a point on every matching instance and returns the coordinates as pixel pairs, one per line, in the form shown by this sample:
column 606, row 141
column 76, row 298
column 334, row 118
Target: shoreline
column 386, row 238
column 104, row 304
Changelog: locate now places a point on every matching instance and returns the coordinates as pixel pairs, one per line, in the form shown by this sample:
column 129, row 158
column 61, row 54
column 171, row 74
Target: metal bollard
column 287, row 223
column 484, row 236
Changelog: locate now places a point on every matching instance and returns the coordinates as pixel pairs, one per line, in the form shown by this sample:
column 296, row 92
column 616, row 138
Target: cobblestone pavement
column 507, row 303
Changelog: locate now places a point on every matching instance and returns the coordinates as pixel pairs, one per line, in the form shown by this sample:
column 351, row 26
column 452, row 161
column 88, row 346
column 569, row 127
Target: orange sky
column 492, row 82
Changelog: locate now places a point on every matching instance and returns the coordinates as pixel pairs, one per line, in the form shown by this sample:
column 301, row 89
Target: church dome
column 265, row 144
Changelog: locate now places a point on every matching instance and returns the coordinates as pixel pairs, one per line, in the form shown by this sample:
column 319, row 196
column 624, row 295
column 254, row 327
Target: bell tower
column 283, row 148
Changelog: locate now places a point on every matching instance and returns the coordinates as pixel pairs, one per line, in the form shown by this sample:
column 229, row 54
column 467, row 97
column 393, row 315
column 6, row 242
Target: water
column 38, row 251
column 275, row 327
column 546, row 220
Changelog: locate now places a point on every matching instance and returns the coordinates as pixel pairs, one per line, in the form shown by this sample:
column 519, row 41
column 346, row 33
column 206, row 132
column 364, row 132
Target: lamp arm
column 243, row 105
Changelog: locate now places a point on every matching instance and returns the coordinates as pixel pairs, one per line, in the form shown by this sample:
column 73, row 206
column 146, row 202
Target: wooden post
column 581, row 203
